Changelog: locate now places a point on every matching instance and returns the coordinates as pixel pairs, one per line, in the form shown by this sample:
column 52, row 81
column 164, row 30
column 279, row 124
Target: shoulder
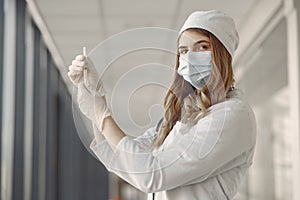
column 235, row 105
column 234, row 117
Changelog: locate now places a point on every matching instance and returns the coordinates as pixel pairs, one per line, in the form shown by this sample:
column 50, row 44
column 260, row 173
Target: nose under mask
column 195, row 67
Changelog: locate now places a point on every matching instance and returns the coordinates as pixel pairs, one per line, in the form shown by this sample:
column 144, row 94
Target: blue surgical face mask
column 195, row 67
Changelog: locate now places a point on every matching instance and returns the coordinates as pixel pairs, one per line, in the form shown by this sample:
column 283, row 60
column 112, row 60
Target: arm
column 111, row 131
column 214, row 141
column 114, row 134
column 92, row 103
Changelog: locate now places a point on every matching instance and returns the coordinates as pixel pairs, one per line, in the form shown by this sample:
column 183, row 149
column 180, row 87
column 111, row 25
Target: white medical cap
column 216, row 22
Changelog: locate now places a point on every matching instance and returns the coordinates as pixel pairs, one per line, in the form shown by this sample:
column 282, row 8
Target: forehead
column 191, row 36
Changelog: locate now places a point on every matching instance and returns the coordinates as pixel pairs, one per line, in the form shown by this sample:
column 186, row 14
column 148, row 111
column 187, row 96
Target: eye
column 183, row 51
column 203, row 47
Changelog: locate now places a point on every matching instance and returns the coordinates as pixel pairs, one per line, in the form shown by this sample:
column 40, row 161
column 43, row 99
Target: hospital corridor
column 47, row 138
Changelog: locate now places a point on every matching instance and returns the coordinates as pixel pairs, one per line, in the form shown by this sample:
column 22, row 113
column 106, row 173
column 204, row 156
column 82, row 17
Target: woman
column 204, row 144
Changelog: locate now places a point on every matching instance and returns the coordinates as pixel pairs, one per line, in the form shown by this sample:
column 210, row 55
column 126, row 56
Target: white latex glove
column 89, row 75
column 91, row 93
column 99, row 137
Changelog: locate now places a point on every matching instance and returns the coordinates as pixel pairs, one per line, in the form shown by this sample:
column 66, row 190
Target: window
column 265, row 82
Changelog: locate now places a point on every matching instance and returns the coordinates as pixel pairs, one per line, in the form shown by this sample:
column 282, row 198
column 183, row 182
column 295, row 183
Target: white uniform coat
column 206, row 162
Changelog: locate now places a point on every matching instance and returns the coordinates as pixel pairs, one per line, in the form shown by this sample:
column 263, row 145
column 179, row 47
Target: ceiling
column 76, row 23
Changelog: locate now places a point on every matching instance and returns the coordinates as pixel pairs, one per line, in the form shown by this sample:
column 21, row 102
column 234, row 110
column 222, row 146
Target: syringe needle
column 85, row 67
column 84, row 54
column 84, row 51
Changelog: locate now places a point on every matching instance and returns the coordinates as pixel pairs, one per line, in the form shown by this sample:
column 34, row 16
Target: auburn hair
column 185, row 103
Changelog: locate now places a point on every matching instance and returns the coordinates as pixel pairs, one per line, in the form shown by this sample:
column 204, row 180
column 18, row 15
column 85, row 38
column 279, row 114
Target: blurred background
column 42, row 156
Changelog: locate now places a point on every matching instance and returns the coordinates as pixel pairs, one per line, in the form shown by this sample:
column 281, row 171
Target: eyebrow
column 198, row 42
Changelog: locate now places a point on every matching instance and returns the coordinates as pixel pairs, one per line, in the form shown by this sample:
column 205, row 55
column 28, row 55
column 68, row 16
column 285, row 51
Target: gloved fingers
column 80, row 57
column 74, row 77
column 75, row 68
column 82, row 60
column 75, row 74
column 72, row 73
column 78, row 63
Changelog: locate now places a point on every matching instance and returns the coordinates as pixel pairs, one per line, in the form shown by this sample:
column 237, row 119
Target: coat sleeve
column 194, row 153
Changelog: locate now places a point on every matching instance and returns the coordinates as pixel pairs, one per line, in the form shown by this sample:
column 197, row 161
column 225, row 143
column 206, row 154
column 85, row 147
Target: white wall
column 267, row 64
